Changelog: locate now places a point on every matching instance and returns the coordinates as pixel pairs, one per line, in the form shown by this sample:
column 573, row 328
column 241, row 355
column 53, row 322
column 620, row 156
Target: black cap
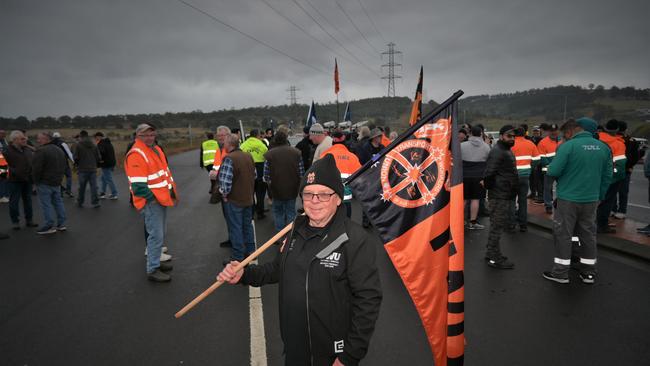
column 324, row 172
column 505, row 129
column 99, row 134
column 612, row 126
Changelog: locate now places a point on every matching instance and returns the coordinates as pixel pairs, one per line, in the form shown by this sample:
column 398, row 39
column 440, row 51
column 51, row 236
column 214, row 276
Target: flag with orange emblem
column 413, row 194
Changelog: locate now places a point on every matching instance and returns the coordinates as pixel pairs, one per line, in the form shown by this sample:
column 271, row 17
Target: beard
column 509, row 143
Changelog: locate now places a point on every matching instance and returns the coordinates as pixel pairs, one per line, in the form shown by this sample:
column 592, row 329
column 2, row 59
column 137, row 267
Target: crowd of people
column 27, row 170
column 580, row 172
column 325, row 267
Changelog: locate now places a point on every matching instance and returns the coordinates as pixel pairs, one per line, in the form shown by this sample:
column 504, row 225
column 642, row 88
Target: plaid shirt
column 226, row 175
column 267, row 171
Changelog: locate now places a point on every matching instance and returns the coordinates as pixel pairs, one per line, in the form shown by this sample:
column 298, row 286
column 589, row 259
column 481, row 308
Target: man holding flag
column 329, row 284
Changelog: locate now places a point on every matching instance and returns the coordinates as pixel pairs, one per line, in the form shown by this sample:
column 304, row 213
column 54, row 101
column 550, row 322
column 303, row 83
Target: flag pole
column 239, row 267
column 337, row 109
column 405, row 135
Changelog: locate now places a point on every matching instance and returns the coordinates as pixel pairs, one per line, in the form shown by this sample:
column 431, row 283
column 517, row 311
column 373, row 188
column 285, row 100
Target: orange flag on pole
column 413, row 194
column 416, row 108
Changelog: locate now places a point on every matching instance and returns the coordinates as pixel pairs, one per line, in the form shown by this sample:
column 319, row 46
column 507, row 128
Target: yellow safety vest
column 210, row 147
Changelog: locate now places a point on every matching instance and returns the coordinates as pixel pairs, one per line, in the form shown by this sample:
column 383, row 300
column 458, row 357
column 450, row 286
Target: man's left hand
column 337, row 362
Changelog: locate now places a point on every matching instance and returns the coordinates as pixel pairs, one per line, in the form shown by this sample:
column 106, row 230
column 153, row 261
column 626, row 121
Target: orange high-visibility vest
column 4, row 167
column 346, row 162
column 385, row 140
column 526, row 155
column 219, row 155
column 547, row 148
column 146, row 165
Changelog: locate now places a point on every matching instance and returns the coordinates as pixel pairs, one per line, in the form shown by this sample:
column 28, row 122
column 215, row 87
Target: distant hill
column 532, row 107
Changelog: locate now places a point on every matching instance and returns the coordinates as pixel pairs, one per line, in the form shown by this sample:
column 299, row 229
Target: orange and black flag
column 336, row 77
column 413, row 194
column 416, row 108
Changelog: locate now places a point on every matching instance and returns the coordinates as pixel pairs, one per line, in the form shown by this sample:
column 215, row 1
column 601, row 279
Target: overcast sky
column 153, row 56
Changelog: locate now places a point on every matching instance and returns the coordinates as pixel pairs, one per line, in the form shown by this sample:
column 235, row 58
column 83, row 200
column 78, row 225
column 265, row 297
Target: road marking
column 258, row 339
column 639, row 206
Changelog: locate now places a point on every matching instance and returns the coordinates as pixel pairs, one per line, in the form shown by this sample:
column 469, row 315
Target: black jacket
column 48, row 165
column 365, row 151
column 307, row 149
column 501, row 178
column 86, row 155
column 107, row 152
column 20, row 163
column 341, row 294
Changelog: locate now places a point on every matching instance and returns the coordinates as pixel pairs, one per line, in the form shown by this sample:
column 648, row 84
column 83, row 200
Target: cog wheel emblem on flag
column 413, row 173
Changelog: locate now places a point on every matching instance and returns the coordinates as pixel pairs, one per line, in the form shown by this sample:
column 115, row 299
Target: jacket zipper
column 311, row 354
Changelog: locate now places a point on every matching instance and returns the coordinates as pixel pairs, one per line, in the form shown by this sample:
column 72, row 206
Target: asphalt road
column 82, row 298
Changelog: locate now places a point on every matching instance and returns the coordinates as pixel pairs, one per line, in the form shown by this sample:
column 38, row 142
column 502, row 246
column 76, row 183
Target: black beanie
column 324, row 172
column 505, row 129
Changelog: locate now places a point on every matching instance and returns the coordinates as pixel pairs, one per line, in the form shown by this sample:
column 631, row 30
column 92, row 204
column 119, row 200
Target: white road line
column 639, row 206
column 258, row 339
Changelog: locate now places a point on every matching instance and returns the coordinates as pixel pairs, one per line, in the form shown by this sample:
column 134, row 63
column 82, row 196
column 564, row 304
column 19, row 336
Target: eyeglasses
column 510, row 135
column 322, row 197
column 147, row 135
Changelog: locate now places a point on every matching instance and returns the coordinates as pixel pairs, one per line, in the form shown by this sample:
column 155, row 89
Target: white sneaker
column 4, row 200
column 164, row 250
column 619, row 215
column 164, row 257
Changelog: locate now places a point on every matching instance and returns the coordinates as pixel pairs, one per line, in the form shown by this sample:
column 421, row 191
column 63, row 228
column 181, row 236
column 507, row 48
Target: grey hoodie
column 475, row 153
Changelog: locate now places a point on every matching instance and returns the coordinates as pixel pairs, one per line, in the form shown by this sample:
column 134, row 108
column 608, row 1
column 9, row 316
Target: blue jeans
column 623, row 191
column 18, row 190
column 548, row 191
column 107, row 180
column 84, row 179
column 51, row 202
column 4, row 188
column 155, row 217
column 240, row 229
column 68, row 178
column 284, row 211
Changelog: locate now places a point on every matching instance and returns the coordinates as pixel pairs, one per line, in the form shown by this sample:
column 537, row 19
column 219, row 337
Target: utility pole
column 391, row 68
column 293, row 99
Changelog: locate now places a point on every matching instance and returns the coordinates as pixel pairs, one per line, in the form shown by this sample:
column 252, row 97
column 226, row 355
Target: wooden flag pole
column 241, row 265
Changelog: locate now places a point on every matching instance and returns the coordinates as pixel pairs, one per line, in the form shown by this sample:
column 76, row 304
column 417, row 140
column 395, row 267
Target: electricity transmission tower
column 391, row 68
column 292, row 94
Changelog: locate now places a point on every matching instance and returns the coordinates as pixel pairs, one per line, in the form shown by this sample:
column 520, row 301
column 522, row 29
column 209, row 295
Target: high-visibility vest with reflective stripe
column 219, row 155
column 143, row 166
column 547, row 148
column 526, row 155
column 209, row 147
column 346, row 162
column 617, row 145
column 4, row 167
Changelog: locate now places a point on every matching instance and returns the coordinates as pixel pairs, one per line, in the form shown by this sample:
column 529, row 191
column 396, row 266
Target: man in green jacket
column 254, row 146
column 583, row 169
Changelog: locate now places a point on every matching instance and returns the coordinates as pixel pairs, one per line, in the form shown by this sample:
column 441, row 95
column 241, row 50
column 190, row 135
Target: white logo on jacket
column 338, row 346
column 331, row 261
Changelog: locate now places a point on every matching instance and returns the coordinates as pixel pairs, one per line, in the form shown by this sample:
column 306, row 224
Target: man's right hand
column 229, row 275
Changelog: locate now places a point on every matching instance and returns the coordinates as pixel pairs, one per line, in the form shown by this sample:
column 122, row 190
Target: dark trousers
column 260, row 189
column 623, row 191
column 577, row 219
column 86, row 178
column 500, row 211
column 536, row 182
column 606, row 205
column 548, row 191
column 520, row 215
column 18, row 191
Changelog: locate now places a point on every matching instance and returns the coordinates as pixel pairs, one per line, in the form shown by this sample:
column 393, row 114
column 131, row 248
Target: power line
column 371, row 22
column 337, row 29
column 391, row 68
column 355, row 27
column 307, row 33
column 249, row 36
column 331, row 36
